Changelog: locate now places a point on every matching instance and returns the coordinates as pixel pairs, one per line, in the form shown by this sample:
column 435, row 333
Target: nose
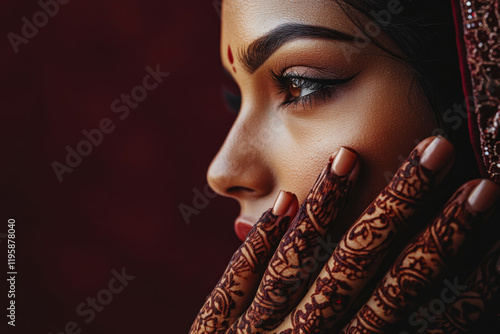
column 239, row 170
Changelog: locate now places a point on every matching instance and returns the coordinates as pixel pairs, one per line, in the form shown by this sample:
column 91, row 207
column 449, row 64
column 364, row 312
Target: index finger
column 363, row 247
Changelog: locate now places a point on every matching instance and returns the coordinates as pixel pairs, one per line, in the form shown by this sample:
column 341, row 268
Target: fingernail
column 282, row 203
column 437, row 154
column 344, row 162
column 484, row 196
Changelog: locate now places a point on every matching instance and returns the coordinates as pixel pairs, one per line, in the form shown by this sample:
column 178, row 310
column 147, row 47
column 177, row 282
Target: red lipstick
column 242, row 226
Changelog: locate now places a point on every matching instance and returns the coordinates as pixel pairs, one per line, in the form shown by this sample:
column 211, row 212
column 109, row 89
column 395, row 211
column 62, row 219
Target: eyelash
column 323, row 88
column 233, row 101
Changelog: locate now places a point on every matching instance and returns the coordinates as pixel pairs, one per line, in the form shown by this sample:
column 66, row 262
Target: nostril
column 239, row 190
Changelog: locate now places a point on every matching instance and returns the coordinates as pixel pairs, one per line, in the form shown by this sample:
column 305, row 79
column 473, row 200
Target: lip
column 242, row 226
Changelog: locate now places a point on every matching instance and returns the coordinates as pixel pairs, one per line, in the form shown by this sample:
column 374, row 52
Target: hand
column 464, row 306
column 272, row 282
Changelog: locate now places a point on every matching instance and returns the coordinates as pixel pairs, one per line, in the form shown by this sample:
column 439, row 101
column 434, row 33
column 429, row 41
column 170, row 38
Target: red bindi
column 230, row 54
column 230, row 57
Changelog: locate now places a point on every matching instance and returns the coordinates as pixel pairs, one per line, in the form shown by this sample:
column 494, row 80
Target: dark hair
column 424, row 31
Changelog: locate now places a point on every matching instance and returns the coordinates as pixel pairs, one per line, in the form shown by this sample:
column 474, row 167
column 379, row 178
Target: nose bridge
column 239, row 168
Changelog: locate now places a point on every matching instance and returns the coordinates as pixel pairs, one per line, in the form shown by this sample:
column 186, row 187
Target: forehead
column 243, row 21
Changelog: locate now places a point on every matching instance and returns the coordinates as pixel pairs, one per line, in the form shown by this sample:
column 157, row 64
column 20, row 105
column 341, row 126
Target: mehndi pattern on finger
column 295, row 260
column 362, row 248
column 419, row 265
column 462, row 314
column 241, row 277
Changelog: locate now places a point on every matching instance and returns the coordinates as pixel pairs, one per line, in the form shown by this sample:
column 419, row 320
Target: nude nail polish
column 484, row 196
column 282, row 203
column 437, row 154
column 344, row 161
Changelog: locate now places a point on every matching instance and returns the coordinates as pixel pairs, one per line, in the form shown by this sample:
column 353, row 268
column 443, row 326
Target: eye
column 298, row 89
column 233, row 101
column 231, row 93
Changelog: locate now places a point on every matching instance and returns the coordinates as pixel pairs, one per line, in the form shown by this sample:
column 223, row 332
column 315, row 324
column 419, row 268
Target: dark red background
column 119, row 207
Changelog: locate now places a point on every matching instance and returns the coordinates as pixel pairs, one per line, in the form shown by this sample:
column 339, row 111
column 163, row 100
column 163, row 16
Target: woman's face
column 307, row 89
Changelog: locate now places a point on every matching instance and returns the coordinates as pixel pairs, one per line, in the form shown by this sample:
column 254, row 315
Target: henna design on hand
column 239, row 282
column 362, row 248
column 421, row 263
column 295, row 260
column 483, row 286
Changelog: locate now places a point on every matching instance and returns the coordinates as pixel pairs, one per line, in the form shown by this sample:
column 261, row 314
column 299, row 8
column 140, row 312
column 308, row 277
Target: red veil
column 477, row 26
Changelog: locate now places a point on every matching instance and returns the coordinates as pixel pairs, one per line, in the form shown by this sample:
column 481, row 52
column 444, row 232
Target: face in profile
column 311, row 82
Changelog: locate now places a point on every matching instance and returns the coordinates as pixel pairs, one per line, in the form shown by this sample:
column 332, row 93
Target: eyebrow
column 263, row 47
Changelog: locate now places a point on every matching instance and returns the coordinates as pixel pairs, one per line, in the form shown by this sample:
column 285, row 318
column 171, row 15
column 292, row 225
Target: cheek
column 302, row 165
column 392, row 119
column 382, row 122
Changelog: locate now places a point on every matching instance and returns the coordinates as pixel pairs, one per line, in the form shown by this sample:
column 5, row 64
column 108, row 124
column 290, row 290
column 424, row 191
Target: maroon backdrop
column 119, row 207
